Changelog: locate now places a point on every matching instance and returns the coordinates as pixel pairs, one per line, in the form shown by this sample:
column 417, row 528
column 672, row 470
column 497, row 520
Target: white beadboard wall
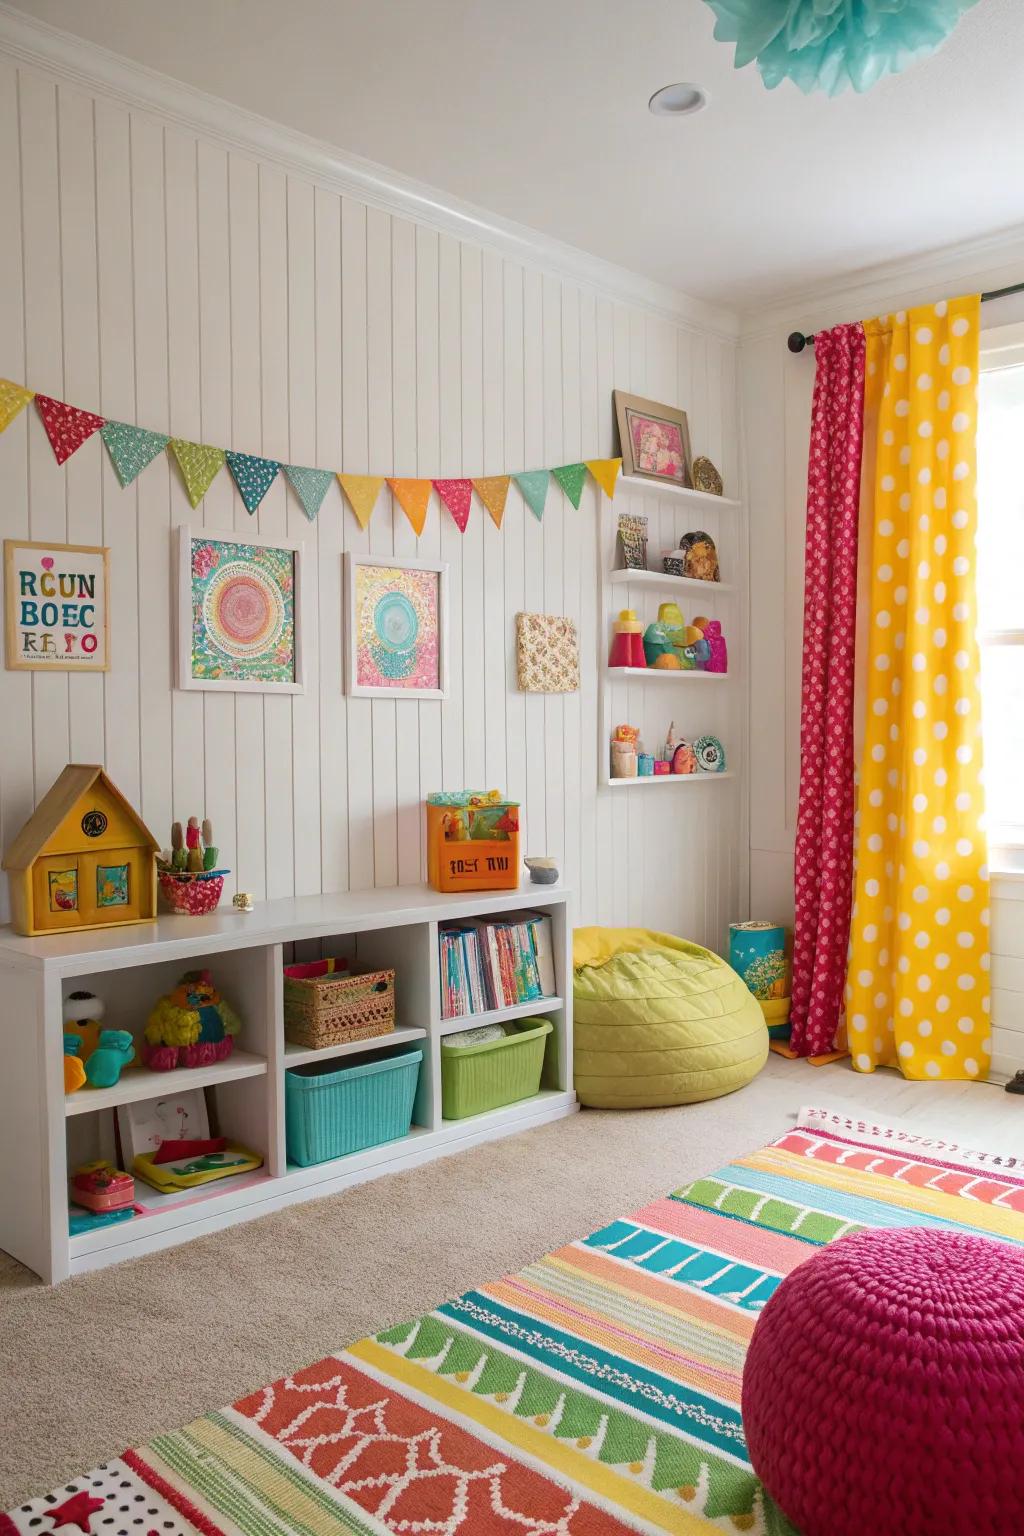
column 777, row 388
column 161, row 277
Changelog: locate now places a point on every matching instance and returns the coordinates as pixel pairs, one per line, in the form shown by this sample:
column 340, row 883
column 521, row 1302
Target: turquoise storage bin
column 331, row 1110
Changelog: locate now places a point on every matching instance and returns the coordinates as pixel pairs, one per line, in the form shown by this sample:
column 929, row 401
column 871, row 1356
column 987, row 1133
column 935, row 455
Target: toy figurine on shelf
column 684, row 759
column 115, row 1051
column 74, row 1066
column 718, row 659
column 190, row 881
column 627, row 641
column 191, row 1027
column 625, row 752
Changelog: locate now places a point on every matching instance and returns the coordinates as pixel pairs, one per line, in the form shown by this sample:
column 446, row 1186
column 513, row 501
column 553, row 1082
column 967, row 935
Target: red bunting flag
column 457, row 496
column 66, row 426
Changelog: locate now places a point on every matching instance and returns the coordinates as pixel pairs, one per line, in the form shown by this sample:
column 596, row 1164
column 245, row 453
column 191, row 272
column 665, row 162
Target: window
column 1000, row 577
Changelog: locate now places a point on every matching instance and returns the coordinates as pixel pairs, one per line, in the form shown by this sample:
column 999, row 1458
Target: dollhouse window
column 112, row 885
column 63, row 884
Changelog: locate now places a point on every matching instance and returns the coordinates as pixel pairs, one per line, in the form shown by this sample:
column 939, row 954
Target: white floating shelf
column 639, row 485
column 664, row 674
column 669, row 778
column 500, row 1015
column 299, row 1055
column 668, row 583
column 138, row 1083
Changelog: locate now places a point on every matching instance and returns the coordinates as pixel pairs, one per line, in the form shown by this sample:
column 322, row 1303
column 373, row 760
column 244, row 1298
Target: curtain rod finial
column 797, row 341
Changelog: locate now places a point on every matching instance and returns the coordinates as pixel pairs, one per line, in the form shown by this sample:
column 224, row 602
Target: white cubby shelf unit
column 45, row 1134
column 699, row 703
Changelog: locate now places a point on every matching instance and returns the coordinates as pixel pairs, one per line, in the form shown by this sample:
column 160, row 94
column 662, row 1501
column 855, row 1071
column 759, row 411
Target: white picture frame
column 186, row 676
column 357, row 686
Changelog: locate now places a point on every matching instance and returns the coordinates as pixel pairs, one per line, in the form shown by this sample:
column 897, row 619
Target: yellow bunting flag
column 362, row 492
column 605, row 472
column 13, row 398
column 199, row 464
column 493, row 492
column 413, row 496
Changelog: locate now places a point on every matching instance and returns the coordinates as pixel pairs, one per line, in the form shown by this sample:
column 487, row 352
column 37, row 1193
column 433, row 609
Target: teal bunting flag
column 253, row 476
column 310, row 486
column 571, row 477
column 534, row 485
column 131, row 448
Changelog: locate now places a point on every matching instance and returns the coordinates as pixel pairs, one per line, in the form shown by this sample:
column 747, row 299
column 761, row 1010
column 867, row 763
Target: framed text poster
column 56, row 606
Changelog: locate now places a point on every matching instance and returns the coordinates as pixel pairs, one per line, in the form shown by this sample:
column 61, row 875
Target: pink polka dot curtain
column 918, row 988
column 823, row 866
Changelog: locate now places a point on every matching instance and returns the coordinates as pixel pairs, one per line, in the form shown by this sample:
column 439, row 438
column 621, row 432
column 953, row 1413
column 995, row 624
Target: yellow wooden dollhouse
column 84, row 858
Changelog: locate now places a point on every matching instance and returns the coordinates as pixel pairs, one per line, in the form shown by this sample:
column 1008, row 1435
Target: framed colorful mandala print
column 239, row 613
column 396, row 615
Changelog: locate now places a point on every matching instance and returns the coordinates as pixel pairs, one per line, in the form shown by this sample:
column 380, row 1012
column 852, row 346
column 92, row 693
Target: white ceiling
column 537, row 110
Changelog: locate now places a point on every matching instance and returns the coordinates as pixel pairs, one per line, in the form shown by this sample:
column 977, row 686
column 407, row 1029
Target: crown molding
column 135, row 86
column 989, row 261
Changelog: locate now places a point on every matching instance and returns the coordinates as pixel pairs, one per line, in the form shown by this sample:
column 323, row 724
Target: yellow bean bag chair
column 658, row 1021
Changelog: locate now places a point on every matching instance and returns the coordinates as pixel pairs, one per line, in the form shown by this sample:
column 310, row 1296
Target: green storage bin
column 475, row 1078
column 331, row 1110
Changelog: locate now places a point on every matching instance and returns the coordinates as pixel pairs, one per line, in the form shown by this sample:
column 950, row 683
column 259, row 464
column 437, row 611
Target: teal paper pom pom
column 827, row 45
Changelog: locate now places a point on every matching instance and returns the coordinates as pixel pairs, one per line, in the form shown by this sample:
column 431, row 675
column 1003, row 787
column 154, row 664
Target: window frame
column 1002, row 347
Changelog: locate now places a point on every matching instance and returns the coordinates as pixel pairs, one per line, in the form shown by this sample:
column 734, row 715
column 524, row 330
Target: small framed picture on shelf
column 180, row 1116
column 240, row 626
column 654, row 440
column 396, row 628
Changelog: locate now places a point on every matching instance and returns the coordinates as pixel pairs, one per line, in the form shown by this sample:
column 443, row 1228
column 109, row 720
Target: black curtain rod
column 797, row 340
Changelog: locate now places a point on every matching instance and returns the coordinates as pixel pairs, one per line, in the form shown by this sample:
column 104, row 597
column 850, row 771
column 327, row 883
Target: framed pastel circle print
column 239, row 613
column 396, row 627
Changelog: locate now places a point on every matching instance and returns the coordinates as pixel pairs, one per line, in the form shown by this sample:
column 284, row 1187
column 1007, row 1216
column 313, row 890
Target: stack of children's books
column 491, row 963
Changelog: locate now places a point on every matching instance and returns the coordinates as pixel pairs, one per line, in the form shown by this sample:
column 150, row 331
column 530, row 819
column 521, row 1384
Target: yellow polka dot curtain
column 917, row 993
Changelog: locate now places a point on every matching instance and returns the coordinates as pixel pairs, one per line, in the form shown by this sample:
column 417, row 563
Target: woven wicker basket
column 325, row 1005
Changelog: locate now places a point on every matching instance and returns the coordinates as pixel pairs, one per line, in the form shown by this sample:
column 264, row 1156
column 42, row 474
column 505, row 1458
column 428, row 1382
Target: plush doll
column 115, row 1050
column 83, row 1016
column 74, row 1066
column 190, row 1027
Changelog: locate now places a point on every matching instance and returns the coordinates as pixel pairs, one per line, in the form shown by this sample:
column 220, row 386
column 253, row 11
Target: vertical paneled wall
column 158, row 278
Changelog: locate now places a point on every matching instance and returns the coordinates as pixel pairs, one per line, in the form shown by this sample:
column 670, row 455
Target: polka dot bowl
column 192, row 895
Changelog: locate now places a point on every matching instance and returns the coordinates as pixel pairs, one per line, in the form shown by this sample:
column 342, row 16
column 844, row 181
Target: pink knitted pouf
column 883, row 1392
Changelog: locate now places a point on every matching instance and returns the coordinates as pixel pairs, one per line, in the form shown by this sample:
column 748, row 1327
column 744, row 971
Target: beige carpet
column 109, row 1359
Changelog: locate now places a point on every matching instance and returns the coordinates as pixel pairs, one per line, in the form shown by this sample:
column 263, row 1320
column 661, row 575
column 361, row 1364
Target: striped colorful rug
column 598, row 1391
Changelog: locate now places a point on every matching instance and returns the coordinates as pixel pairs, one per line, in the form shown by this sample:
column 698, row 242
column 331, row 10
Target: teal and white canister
column 757, row 951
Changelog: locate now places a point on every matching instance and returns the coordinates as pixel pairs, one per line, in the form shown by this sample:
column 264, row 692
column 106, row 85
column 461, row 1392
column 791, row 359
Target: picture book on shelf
column 489, row 963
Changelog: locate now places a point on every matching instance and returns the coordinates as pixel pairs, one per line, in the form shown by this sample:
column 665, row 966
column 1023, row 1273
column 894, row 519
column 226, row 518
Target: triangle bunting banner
column 413, row 497
column 66, row 426
column 310, row 486
column 362, row 492
column 131, row 448
column 13, row 398
column 199, row 464
column 457, row 496
column 493, row 492
column 571, row 477
column 534, row 485
column 605, row 472
column 253, row 476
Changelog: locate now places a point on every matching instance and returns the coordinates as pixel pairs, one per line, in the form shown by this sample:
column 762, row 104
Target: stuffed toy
column 190, row 1027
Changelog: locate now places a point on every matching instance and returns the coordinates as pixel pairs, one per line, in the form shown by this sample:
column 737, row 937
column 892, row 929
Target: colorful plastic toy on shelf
column 84, row 859
column 718, row 659
column 472, row 841
column 191, row 1027
column 190, row 882
column 627, row 641
column 196, row 1167
column 668, row 640
column 100, row 1186
column 115, row 1051
column 684, row 759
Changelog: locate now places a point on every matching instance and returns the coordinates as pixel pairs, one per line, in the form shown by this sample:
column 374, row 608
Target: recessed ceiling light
column 678, row 100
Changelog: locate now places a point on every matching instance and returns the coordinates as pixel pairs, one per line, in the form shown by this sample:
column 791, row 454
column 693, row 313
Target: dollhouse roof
column 76, row 780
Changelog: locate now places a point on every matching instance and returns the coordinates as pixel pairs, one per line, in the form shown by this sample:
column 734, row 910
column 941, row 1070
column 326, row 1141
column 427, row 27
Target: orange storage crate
column 474, row 863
